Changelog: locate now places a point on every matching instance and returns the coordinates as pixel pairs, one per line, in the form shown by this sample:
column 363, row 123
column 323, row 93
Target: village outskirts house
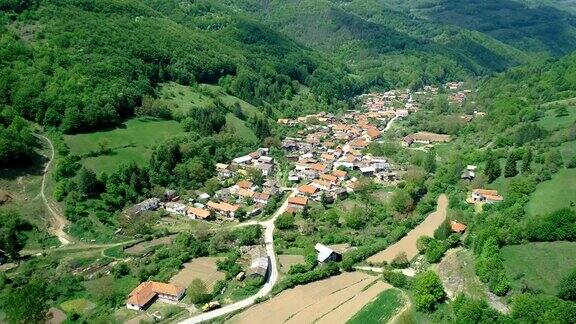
column 198, row 213
column 176, row 208
column 484, row 196
column 147, row 292
column 297, row 203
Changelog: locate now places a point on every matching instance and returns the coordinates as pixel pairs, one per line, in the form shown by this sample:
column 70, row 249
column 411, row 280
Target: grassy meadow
column 381, row 309
column 184, row 97
column 133, row 142
column 539, row 266
column 554, row 194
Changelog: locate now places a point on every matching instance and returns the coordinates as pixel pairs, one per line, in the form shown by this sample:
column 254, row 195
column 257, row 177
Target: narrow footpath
column 57, row 221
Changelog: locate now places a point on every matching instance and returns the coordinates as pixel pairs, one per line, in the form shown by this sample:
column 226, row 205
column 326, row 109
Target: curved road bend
column 272, row 279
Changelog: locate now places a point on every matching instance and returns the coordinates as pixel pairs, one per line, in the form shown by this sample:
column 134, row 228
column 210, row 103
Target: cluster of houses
column 399, row 102
column 227, row 202
column 329, row 153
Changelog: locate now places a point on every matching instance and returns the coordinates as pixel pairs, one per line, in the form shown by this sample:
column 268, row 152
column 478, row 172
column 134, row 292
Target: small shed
column 326, row 254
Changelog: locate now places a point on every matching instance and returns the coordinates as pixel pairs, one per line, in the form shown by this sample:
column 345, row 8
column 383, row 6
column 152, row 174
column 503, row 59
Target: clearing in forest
column 539, row 266
column 133, row 141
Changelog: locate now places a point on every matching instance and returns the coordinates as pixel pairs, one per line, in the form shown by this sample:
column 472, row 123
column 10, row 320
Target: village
column 328, row 160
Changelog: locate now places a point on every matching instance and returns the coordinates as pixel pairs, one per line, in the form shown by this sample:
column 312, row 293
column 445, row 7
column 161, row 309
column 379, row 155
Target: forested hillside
column 533, row 26
column 386, row 46
column 85, row 65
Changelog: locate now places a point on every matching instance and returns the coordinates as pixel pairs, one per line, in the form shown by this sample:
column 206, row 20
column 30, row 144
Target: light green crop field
column 132, row 142
column 381, row 309
column 539, row 265
column 554, row 194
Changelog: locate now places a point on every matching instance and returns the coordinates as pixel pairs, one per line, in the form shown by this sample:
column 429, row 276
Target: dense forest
column 86, row 65
column 385, row 44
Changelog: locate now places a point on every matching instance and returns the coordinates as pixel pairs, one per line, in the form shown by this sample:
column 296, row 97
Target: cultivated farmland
column 327, row 301
column 381, row 309
column 408, row 243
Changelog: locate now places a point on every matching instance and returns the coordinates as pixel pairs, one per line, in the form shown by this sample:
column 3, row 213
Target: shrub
column 396, row 279
column 422, row 243
column 567, row 286
column 428, row 291
column 197, row 292
column 435, row 251
column 400, row 261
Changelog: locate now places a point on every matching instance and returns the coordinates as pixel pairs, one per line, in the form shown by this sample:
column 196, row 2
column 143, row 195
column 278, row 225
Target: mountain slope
column 384, row 45
column 84, row 65
column 541, row 27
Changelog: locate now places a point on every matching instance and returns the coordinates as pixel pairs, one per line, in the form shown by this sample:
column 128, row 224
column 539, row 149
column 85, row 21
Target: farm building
column 147, row 292
column 457, row 227
column 326, row 254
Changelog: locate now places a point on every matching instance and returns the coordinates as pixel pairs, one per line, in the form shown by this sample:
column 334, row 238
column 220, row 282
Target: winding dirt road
column 57, row 221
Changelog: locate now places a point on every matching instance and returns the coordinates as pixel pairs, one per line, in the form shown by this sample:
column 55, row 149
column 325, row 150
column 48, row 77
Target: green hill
column 85, row 65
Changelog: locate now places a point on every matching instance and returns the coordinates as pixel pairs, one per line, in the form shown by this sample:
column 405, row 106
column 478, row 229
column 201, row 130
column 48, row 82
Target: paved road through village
column 272, row 278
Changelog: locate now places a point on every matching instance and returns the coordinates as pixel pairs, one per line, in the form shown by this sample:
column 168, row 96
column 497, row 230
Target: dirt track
column 408, row 243
column 57, row 221
column 331, row 300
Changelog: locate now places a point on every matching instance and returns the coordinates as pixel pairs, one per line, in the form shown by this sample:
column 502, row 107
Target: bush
column 428, row 291
column 198, row 293
column 400, row 261
column 321, row 272
column 468, row 310
column 435, row 251
column 422, row 243
column 396, row 279
column 567, row 286
column 285, row 221
column 528, row 308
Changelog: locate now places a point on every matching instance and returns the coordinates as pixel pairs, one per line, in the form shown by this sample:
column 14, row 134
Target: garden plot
column 287, row 260
column 203, row 268
column 144, row 246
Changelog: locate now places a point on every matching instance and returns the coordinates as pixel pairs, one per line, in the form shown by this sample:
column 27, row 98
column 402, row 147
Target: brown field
column 56, row 316
column 335, row 299
column 200, row 268
column 141, row 247
column 287, row 260
column 408, row 243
